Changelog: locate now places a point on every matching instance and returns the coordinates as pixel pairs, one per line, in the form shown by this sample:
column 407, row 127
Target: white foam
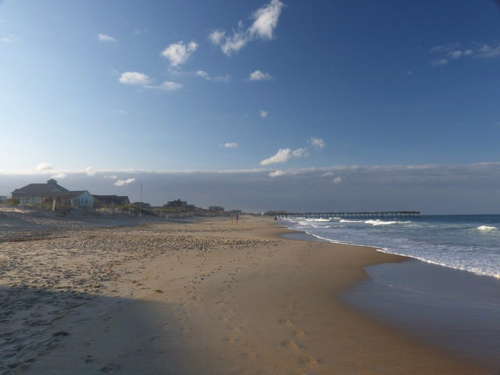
column 380, row 222
column 486, row 228
column 351, row 221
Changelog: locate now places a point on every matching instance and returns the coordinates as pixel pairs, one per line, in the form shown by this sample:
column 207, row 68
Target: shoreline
column 215, row 298
column 418, row 294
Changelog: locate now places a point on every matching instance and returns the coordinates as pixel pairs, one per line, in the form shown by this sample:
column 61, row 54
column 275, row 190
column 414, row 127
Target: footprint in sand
column 110, row 368
column 290, row 345
column 309, row 360
column 299, row 334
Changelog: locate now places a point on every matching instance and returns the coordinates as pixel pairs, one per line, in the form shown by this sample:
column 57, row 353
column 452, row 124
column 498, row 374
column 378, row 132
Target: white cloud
column 454, row 55
column 280, row 173
column 446, row 47
column 90, row 171
column 216, row 36
column 6, row 39
column 59, row 175
column 338, row 180
column 266, row 20
column 453, row 51
column 317, row 143
column 105, row 38
column 263, row 26
column 259, row 76
column 487, row 52
column 263, row 113
column 179, row 53
column 170, row 86
column 230, row 145
column 111, row 177
column 282, row 156
column 134, row 78
column 124, row 182
column 327, row 174
column 300, row 152
column 277, row 173
column 439, row 62
column 43, row 167
column 203, row 74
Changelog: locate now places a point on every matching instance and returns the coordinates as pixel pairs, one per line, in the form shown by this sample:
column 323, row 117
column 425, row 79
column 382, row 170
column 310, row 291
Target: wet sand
column 199, row 298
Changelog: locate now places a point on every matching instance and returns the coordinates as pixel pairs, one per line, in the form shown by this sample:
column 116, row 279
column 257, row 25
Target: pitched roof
column 36, row 189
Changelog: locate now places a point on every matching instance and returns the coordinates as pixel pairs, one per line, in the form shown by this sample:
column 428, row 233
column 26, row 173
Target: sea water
column 465, row 242
column 449, row 294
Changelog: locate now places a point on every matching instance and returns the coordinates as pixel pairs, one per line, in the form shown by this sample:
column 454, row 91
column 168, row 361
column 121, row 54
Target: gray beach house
column 39, row 194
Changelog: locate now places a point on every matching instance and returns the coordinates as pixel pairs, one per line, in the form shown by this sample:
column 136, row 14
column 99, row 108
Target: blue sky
column 269, row 87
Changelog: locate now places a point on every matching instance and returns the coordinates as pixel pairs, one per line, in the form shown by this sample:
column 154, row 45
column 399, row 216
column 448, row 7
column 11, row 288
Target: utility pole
column 140, row 204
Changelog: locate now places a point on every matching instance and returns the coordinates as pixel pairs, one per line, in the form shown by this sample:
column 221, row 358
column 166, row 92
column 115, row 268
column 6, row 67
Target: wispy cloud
column 205, row 75
column 134, row 78
column 43, row 167
column 299, row 153
column 7, row 39
column 59, row 175
column 124, row 182
column 338, row 180
column 105, row 38
column 454, row 51
column 178, row 53
column 265, row 21
column 230, row 145
column 90, row 171
column 111, row 177
column 170, row 86
column 140, row 31
column 140, row 79
column 259, row 76
column 487, row 52
column 317, row 143
column 282, row 156
column 263, row 113
column 439, row 62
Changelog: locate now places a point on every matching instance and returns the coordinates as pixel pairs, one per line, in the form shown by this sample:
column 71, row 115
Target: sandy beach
column 207, row 297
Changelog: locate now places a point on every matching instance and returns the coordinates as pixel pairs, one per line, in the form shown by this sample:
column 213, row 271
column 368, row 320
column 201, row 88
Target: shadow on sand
column 52, row 332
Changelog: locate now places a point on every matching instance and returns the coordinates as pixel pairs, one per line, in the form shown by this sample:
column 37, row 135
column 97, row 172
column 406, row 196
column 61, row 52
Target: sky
column 256, row 104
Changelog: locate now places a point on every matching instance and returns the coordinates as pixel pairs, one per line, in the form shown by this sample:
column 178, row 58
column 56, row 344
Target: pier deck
column 361, row 214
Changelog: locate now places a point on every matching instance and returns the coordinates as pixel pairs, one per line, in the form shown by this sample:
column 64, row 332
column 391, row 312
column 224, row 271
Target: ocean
column 465, row 242
column 448, row 295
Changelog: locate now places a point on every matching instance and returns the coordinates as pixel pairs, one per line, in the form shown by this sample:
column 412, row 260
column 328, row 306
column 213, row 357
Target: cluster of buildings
column 52, row 194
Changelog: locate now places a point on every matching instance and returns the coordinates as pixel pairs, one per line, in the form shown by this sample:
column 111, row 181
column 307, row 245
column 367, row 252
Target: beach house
column 110, row 200
column 39, row 194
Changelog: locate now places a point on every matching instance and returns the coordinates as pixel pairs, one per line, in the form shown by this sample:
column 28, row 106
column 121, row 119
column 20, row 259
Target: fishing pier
column 327, row 215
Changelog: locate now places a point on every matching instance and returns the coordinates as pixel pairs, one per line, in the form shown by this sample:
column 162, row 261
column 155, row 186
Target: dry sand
column 201, row 298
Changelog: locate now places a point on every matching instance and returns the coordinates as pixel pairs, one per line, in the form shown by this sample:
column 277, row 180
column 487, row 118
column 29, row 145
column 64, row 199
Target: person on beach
column 237, row 218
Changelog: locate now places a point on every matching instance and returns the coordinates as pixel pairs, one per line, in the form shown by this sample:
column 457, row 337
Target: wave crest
column 486, row 228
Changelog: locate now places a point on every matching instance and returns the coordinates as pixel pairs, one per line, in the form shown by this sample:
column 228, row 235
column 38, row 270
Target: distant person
column 237, row 218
